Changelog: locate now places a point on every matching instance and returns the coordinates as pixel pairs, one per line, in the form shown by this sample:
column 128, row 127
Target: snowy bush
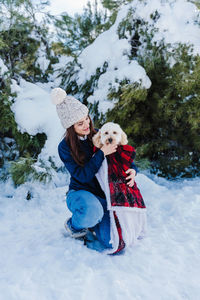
column 144, row 73
column 24, row 53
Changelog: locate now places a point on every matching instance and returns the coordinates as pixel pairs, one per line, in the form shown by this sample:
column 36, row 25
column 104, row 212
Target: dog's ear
column 97, row 140
column 124, row 139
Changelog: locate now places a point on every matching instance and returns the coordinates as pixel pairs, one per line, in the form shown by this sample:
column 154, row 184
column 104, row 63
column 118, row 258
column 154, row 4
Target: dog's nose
column 110, row 140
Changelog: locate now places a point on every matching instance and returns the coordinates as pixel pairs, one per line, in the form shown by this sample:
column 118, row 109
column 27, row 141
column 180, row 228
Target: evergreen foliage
column 13, row 143
column 22, row 41
column 197, row 2
column 160, row 121
column 69, row 80
column 76, row 33
column 113, row 6
column 164, row 122
column 25, row 169
column 73, row 35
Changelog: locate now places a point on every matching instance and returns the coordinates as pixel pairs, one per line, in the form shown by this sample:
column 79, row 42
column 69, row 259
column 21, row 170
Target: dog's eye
column 114, row 132
column 106, row 132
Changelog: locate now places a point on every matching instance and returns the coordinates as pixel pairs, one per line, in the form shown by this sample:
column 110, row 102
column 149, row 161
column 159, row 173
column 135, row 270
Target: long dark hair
column 74, row 143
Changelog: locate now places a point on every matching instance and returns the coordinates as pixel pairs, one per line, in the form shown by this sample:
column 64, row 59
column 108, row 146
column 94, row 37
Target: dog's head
column 110, row 133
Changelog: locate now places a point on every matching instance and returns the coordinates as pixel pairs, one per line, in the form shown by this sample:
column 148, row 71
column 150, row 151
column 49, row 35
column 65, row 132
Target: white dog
column 110, row 133
column 124, row 201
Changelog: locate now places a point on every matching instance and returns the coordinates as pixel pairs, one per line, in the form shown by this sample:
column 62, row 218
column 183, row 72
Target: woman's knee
column 91, row 205
column 86, row 206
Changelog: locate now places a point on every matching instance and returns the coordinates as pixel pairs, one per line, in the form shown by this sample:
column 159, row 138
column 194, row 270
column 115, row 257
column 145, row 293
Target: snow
column 34, row 113
column 60, row 68
column 3, row 68
column 39, row 261
column 110, row 49
column 177, row 22
column 131, row 70
column 71, row 7
column 42, row 62
column 15, row 88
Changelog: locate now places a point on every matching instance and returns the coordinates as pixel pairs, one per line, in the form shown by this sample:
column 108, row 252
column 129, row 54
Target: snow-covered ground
column 38, row 261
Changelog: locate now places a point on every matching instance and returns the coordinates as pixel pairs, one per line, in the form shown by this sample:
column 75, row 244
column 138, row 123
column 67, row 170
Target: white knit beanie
column 69, row 109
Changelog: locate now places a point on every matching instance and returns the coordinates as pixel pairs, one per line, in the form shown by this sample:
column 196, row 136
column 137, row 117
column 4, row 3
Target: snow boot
column 74, row 232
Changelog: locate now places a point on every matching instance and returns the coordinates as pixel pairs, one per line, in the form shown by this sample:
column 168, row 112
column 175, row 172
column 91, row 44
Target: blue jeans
column 90, row 211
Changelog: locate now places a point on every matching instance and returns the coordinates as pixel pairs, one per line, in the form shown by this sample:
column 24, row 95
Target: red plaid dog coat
column 120, row 193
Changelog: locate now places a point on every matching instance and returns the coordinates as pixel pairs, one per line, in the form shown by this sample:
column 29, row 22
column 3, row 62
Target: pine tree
column 163, row 122
column 73, row 35
column 22, row 40
column 76, row 33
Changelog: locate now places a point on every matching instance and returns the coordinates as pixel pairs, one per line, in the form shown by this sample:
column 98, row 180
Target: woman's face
column 82, row 127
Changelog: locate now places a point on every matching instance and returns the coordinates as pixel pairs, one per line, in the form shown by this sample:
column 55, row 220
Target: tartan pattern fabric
column 122, row 244
column 120, row 193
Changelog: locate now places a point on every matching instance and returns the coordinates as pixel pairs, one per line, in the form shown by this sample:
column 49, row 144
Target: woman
column 85, row 198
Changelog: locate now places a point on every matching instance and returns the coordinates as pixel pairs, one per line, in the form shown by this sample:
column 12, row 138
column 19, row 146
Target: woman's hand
column 109, row 149
column 131, row 176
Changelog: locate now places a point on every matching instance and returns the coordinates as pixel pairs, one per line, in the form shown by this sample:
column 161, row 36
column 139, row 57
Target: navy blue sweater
column 83, row 178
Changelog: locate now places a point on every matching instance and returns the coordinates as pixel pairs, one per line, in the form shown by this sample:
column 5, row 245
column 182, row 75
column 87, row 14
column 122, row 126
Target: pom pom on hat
column 58, row 95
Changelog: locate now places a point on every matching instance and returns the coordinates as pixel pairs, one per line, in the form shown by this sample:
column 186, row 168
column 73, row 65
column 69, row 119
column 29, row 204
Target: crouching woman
column 85, row 198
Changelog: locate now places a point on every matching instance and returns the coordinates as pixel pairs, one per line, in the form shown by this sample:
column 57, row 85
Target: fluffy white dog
column 124, row 200
column 110, row 133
